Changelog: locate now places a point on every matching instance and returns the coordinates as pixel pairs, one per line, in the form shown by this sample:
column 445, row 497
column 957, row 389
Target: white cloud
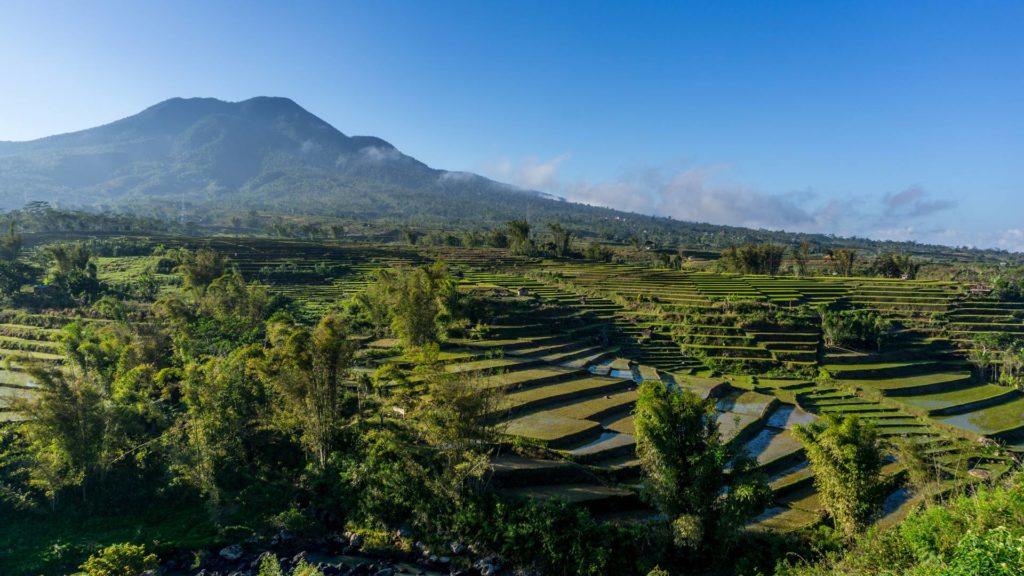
column 532, row 173
column 705, row 194
column 692, row 194
column 913, row 202
column 378, row 154
column 1011, row 239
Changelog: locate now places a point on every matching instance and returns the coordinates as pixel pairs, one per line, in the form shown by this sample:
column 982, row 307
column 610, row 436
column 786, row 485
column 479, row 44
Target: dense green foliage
column 199, row 385
column 999, row 357
column 120, row 560
column 846, row 456
column 753, row 259
column 857, row 328
column 684, row 461
column 895, row 266
column 969, row 535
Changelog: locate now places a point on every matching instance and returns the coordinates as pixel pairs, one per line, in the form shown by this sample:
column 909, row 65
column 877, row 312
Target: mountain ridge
column 206, row 151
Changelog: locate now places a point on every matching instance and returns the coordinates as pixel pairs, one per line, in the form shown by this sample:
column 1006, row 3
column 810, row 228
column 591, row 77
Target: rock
column 457, row 548
column 336, row 543
column 231, row 553
column 444, row 560
column 980, row 473
column 402, row 533
column 299, row 557
column 355, row 541
column 258, row 561
column 385, row 572
column 432, row 559
column 488, row 566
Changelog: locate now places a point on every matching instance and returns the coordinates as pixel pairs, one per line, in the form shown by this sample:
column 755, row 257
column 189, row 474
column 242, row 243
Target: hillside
column 264, row 153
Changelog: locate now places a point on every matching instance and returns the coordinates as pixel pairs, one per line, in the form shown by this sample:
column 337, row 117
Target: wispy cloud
column 706, row 194
column 1011, row 239
column 694, row 194
column 914, row 202
column 531, row 173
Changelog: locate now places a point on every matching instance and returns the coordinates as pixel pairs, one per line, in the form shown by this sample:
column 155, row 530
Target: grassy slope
column 45, row 542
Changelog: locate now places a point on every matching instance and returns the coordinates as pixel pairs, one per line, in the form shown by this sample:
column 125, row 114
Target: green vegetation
column 570, row 415
column 684, row 461
column 753, row 259
column 973, row 534
column 856, row 328
column 846, row 458
column 120, row 560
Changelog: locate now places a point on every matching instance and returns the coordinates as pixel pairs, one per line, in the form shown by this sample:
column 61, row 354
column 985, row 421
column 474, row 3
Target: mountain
column 208, row 161
column 205, row 154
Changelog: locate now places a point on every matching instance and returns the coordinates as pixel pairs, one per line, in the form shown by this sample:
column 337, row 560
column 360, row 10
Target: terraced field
column 577, row 338
column 925, row 393
column 570, row 377
column 27, row 338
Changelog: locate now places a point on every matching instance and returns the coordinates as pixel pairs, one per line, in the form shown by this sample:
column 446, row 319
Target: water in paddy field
column 758, row 444
column 599, row 370
column 787, row 416
column 895, row 500
column 606, row 435
column 625, row 374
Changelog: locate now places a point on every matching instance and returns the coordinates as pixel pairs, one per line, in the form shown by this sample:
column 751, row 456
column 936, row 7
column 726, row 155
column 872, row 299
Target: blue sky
column 899, row 120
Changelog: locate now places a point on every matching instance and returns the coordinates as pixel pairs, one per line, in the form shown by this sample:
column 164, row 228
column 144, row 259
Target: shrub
column 270, row 566
column 856, row 328
column 120, row 560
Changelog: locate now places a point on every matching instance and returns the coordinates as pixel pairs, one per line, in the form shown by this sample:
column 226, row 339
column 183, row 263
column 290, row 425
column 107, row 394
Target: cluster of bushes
column 968, row 535
column 894, row 266
column 753, row 259
column 857, row 329
column 999, row 357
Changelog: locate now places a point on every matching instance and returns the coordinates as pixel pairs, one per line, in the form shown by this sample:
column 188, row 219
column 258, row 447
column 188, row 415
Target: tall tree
column 307, row 370
column 217, row 433
column 519, row 235
column 801, row 255
column 846, row 456
column 10, row 244
column 561, row 238
column 843, row 260
column 200, row 268
column 421, row 305
column 684, row 461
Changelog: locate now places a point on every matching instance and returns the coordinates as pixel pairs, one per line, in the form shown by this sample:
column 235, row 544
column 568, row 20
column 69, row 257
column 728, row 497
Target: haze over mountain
column 265, row 153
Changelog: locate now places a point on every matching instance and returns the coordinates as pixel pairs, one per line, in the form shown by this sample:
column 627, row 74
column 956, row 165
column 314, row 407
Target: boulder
column 231, row 553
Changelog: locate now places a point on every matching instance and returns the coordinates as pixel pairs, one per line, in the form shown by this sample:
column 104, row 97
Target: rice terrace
column 511, row 288
column 564, row 344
